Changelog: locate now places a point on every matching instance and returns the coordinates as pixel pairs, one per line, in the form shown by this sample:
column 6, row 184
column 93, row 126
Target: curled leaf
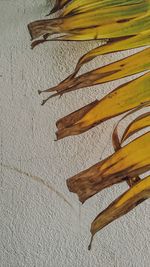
column 139, row 123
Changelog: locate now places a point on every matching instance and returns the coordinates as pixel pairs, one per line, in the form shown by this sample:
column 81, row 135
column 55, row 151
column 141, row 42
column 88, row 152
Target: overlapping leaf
column 141, row 122
column 140, row 189
column 120, row 44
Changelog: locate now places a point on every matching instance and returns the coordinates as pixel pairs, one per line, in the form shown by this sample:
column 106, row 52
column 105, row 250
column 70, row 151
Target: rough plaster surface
column 41, row 223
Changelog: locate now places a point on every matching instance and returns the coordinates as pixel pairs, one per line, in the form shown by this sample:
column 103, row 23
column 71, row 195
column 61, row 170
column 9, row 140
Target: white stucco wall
column 41, row 223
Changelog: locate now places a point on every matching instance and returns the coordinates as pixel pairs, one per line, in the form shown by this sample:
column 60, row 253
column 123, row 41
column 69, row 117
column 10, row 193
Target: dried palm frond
column 124, row 24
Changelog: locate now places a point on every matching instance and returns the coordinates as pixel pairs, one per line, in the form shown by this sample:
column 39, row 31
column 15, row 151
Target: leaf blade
column 124, row 98
column 122, row 205
column 113, row 170
column 119, row 69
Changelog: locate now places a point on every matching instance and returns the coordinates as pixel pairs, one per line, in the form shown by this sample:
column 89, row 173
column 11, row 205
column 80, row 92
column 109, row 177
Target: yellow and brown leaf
column 117, row 70
column 114, row 169
column 124, row 25
column 124, row 98
column 122, row 205
column 86, row 20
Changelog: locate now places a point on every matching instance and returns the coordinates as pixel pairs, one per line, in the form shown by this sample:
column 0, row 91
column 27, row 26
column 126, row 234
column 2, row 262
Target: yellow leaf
column 124, row 98
column 112, row 30
column 131, row 160
column 115, row 45
column 96, row 20
column 139, row 123
column 122, row 205
column 117, row 70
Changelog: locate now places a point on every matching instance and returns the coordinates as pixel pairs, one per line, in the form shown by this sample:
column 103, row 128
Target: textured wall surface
column 41, row 223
